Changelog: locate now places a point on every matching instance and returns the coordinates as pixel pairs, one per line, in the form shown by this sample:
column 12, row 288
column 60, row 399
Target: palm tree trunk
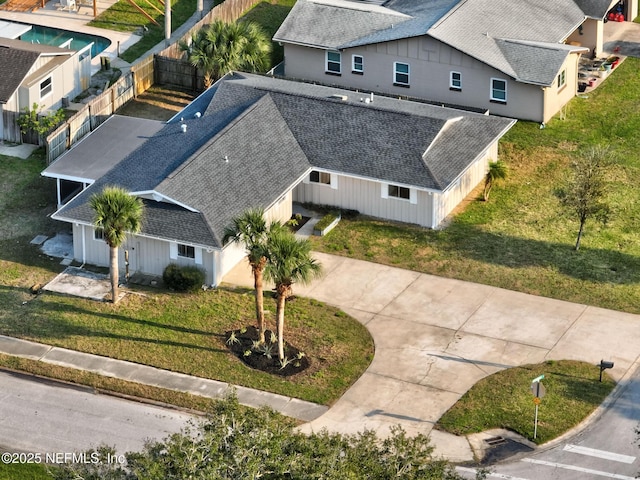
column 487, row 189
column 113, row 273
column 280, row 322
column 258, row 291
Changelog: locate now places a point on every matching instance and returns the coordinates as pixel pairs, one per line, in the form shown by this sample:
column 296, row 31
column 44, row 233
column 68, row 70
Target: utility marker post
column 538, row 391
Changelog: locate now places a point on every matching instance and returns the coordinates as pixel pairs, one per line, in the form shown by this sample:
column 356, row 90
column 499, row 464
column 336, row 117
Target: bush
column 183, row 279
column 326, row 220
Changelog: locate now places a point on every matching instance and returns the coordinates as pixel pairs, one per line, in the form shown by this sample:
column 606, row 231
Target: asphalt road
column 45, row 417
column 606, row 449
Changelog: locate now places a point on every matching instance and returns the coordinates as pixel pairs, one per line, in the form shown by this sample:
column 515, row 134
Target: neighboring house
column 263, row 142
column 514, row 58
column 34, row 73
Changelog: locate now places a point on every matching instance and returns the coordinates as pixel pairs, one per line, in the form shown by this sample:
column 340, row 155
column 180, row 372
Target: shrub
column 183, row 279
column 326, row 220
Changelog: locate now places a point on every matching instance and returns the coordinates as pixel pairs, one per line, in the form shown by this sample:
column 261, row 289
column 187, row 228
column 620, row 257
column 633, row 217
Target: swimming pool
column 57, row 37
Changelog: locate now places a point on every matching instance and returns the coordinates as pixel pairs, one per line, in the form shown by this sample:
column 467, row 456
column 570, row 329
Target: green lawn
column 504, row 400
column 270, row 15
column 181, row 332
column 23, row 472
column 124, row 17
column 521, row 239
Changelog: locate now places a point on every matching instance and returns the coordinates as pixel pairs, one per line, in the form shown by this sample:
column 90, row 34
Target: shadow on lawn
column 41, row 319
column 590, row 264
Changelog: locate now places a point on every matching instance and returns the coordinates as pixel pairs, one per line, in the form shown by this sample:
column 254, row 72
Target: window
column 399, row 192
column 320, row 177
column 357, row 64
column 562, row 79
column 455, row 81
column 333, row 63
column 186, row 251
column 498, row 90
column 401, row 74
column 98, row 234
column 45, row 88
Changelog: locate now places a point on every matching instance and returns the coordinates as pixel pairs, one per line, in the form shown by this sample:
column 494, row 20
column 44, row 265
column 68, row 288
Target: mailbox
column 603, row 366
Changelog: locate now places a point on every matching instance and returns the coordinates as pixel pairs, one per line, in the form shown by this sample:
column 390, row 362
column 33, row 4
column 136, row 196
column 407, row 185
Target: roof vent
column 337, row 96
column 226, row 159
column 197, row 115
column 183, row 127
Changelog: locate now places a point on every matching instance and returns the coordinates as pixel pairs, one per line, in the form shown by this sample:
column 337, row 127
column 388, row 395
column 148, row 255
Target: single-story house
column 41, row 74
column 514, row 58
column 255, row 141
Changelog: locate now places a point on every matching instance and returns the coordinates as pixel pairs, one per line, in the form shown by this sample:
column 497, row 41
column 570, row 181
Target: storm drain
column 500, row 448
column 494, row 441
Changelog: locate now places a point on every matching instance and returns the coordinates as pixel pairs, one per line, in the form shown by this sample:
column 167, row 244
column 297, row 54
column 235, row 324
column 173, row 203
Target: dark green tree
column 221, row 47
column 237, row 443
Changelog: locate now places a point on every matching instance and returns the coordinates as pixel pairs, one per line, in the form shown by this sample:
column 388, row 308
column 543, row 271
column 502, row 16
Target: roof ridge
column 213, row 139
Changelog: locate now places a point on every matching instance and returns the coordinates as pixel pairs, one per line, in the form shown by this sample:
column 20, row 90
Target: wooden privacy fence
column 228, row 11
column 11, row 127
column 165, row 68
column 90, row 117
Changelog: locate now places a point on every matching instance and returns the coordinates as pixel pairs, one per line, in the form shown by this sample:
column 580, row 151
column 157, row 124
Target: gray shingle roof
column 16, row 59
column 272, row 132
column 596, row 8
column 334, row 23
column 478, row 28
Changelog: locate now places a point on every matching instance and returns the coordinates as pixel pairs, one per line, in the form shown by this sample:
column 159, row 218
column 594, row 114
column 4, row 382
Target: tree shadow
column 591, row 264
column 41, row 319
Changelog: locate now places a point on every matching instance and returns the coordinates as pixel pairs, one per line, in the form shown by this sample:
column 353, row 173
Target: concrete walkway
column 134, row 372
column 436, row 337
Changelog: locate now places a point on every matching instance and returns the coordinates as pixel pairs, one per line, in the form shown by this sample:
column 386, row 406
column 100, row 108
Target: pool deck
column 53, row 15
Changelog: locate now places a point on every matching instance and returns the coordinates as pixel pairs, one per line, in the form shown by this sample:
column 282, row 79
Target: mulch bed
column 265, row 358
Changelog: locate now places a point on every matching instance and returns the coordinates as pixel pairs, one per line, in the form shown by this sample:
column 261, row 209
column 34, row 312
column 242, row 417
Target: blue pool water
column 57, row 37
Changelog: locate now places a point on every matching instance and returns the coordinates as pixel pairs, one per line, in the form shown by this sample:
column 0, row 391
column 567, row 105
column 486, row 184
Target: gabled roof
column 597, row 9
column 16, row 60
column 487, row 30
column 259, row 136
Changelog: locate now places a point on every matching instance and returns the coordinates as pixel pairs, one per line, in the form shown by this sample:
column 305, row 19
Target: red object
column 611, row 16
column 619, row 17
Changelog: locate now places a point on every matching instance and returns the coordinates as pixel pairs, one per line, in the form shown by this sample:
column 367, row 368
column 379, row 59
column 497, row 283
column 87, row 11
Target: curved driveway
column 435, row 337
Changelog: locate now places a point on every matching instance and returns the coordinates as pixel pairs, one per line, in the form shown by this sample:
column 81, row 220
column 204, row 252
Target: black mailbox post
column 603, row 366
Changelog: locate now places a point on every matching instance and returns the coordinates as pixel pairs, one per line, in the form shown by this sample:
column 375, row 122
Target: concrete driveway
column 436, row 337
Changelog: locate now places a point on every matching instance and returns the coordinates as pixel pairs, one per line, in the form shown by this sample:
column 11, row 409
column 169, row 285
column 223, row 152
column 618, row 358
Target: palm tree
column 221, row 47
column 116, row 213
column 498, row 170
column 289, row 262
column 250, row 229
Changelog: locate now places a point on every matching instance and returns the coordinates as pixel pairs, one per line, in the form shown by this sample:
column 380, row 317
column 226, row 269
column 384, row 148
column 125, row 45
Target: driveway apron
column 436, row 337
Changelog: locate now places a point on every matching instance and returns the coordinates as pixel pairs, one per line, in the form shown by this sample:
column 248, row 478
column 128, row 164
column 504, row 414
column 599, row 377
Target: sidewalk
column 291, row 407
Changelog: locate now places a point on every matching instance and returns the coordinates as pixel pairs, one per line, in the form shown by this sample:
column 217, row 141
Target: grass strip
column 504, row 400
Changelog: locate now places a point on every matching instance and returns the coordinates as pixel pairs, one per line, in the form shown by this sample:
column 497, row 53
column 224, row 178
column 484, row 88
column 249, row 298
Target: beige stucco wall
column 556, row 98
column 430, row 65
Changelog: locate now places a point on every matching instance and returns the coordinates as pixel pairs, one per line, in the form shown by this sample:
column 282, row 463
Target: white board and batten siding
column 366, row 196
column 469, row 180
column 151, row 256
column 146, row 255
